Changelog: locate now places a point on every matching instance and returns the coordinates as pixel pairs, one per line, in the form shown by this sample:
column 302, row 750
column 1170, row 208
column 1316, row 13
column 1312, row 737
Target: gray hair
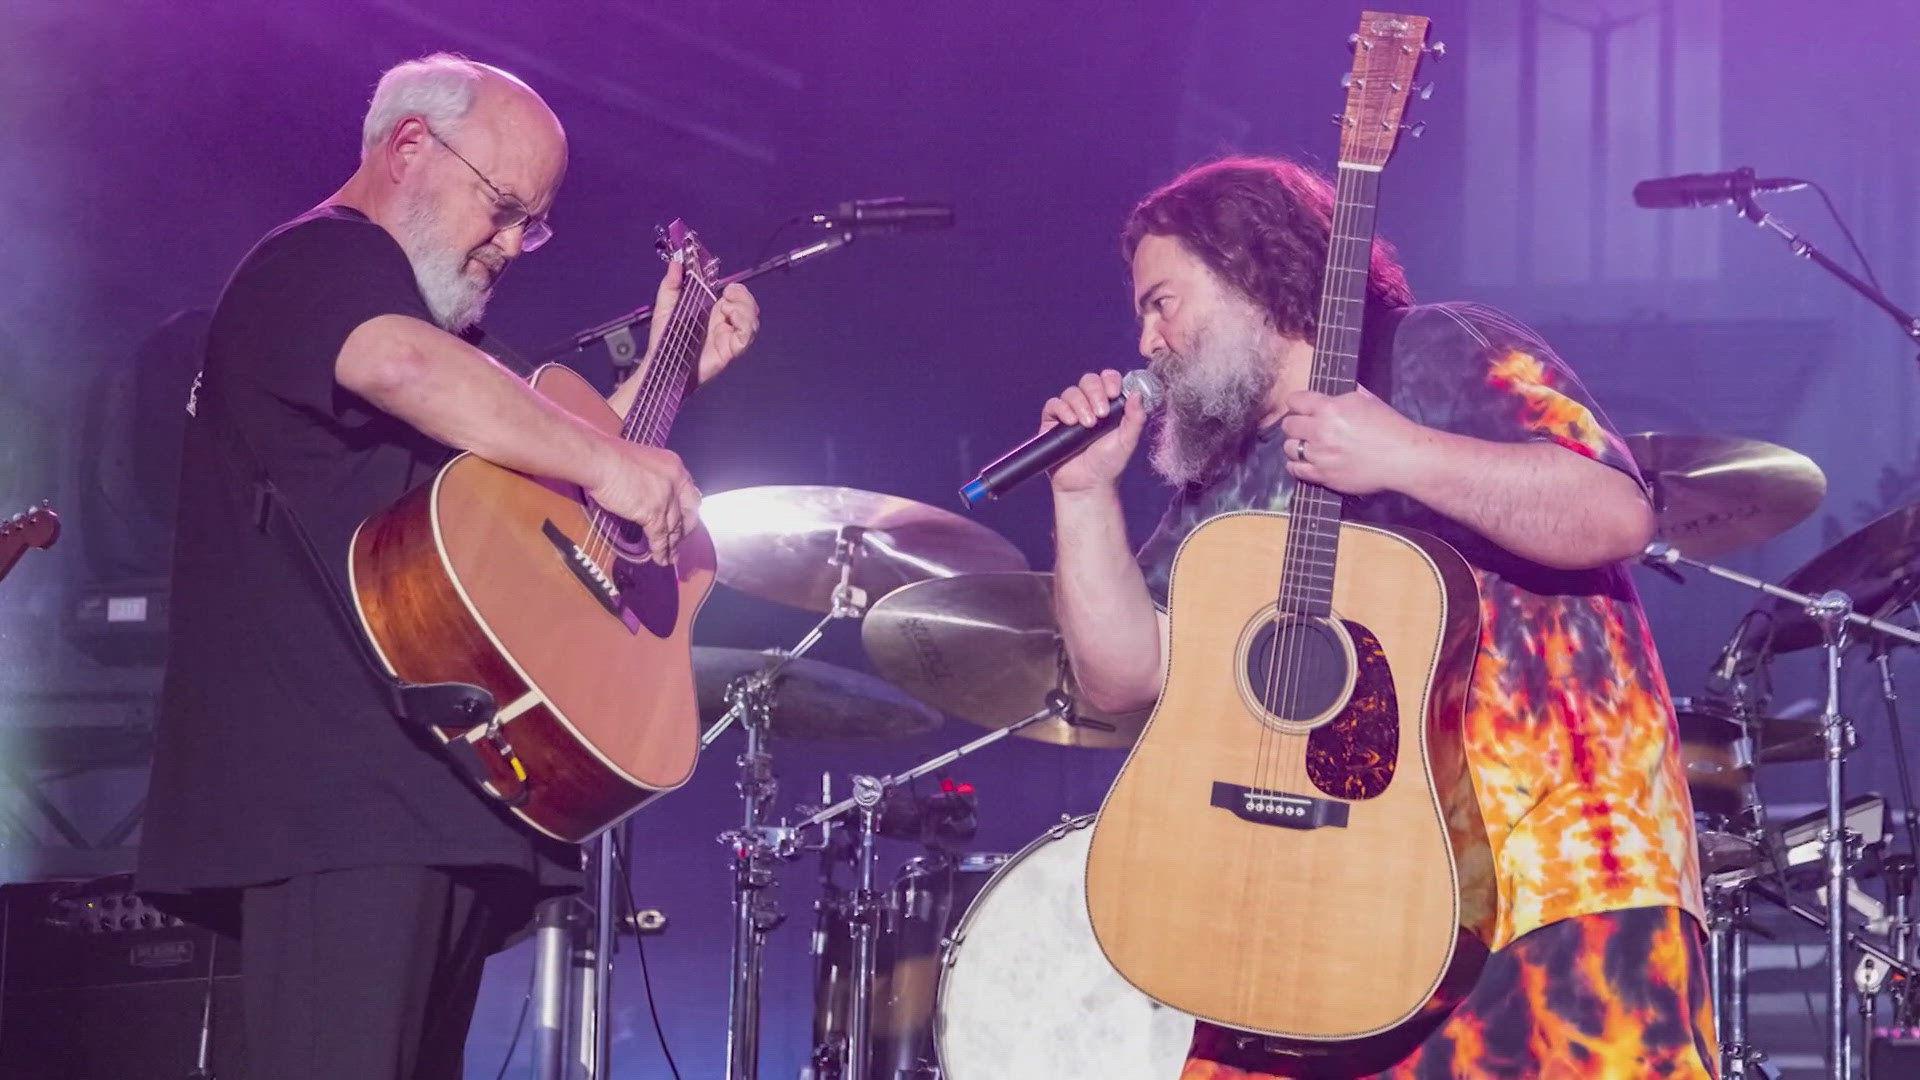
column 440, row 89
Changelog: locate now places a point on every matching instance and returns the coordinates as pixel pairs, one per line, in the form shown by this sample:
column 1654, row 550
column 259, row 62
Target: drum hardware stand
column 757, row 845
column 1728, row 927
column 868, row 794
column 1834, row 612
column 1899, row 869
column 1830, row 610
column 573, row 972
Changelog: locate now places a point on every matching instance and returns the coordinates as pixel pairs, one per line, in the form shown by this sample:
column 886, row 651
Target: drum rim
column 1065, row 827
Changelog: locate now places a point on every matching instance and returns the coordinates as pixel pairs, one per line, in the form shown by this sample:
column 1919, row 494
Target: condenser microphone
column 1059, row 442
column 894, row 213
column 1707, row 189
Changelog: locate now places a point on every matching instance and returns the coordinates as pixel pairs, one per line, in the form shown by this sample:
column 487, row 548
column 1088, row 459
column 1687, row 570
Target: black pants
column 371, row 974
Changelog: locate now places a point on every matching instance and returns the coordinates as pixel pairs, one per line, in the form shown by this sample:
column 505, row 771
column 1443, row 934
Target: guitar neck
column 1313, row 543
column 667, row 378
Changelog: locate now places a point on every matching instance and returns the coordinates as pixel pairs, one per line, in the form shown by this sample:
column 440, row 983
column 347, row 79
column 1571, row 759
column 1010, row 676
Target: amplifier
column 121, row 622
column 96, row 984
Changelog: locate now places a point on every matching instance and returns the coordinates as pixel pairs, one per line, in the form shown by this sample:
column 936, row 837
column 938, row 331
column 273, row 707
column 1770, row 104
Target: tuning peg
column 1425, row 90
column 1354, row 42
column 1437, row 50
column 1347, row 80
column 1338, row 120
column 1415, row 129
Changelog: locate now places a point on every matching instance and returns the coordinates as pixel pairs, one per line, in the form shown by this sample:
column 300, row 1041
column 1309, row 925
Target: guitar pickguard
column 1353, row 757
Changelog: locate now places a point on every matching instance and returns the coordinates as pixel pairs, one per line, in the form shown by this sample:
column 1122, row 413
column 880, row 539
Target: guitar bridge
column 1263, row 806
column 586, row 571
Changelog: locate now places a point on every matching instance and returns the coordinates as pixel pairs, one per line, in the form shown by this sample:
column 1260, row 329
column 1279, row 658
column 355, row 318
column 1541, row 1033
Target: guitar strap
column 448, row 706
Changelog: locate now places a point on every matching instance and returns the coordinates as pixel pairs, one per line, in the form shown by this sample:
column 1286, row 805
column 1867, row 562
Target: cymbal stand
column 757, row 845
column 1830, row 610
column 1898, row 896
column 1834, row 612
column 1728, row 929
column 868, row 794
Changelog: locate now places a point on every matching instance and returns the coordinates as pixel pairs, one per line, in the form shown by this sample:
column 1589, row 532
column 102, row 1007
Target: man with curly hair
column 1466, row 426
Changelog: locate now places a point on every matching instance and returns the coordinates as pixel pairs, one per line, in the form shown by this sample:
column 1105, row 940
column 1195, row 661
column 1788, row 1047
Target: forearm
column 1107, row 618
column 458, row 395
column 621, row 400
column 1541, row 501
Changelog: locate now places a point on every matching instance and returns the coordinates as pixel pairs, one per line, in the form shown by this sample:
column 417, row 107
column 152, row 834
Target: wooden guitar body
column 1298, row 853
column 491, row 577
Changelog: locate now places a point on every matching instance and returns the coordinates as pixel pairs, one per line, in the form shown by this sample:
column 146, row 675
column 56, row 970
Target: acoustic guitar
column 34, row 527
column 1283, row 851
column 523, row 586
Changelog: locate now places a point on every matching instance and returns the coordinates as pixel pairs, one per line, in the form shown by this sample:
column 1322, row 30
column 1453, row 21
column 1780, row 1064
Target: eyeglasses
column 508, row 211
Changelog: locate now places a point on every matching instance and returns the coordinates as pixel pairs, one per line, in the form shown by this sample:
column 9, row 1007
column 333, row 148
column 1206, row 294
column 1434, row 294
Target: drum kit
column 956, row 964
column 1714, row 495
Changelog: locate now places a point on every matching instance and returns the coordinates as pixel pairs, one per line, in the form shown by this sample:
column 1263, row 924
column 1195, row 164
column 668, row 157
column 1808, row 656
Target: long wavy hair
column 1261, row 224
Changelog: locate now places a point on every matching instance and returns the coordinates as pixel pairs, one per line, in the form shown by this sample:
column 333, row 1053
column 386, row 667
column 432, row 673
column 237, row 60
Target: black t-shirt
column 276, row 752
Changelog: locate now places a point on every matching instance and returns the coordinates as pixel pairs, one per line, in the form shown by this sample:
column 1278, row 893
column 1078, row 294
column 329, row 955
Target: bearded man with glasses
column 366, row 881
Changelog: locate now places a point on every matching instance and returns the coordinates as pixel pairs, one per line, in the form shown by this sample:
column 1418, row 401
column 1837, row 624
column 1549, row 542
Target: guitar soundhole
column 1297, row 668
column 651, row 592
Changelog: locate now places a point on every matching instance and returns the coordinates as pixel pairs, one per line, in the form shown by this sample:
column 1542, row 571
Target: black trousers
column 371, row 974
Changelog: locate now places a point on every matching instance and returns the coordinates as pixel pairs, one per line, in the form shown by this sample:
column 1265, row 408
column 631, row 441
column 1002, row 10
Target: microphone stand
column 618, row 332
column 1746, row 207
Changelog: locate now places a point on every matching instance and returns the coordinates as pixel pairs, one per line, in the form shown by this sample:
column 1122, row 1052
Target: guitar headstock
column 37, row 527
column 1387, row 51
column 679, row 243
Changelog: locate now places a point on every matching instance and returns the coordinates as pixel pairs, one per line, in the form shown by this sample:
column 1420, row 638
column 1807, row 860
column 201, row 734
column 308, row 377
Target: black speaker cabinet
column 95, row 984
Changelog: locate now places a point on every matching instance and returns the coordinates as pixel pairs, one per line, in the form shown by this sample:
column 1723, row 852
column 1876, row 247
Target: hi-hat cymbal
column 778, row 543
column 1712, row 494
column 812, row 699
column 985, row 648
column 1878, row 566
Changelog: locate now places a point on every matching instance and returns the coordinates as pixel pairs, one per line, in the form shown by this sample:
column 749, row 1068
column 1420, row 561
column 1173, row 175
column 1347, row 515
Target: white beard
column 1215, row 395
column 455, row 299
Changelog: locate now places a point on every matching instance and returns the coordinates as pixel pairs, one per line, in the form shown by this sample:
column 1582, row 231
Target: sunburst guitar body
column 521, row 586
column 1293, row 848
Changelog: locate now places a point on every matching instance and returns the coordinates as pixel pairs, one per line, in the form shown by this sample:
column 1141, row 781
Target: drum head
column 1027, row 991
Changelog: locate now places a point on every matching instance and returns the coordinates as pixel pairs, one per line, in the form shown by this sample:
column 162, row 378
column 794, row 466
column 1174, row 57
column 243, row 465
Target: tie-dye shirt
column 1570, row 735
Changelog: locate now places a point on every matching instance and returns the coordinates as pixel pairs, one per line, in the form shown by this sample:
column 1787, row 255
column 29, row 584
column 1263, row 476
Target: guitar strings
column 1303, row 667
column 652, row 412
column 657, row 400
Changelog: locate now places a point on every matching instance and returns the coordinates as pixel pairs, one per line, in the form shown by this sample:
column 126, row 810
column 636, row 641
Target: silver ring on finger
column 1300, row 450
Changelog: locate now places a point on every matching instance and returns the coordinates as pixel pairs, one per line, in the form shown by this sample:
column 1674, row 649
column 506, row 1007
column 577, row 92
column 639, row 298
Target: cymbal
column 778, row 543
column 985, row 648
column 1877, row 565
column 812, row 699
column 1775, row 738
column 1712, row 493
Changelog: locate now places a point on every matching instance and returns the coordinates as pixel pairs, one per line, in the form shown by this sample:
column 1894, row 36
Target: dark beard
column 1215, row 397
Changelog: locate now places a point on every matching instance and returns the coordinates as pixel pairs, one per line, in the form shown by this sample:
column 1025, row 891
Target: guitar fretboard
column 1313, row 540
column 666, row 379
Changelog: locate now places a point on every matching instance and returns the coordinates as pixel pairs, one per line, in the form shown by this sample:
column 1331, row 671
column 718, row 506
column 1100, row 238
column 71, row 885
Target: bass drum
column 1026, row 991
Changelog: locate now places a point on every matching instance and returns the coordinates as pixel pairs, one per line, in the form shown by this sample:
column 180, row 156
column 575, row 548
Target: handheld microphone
column 1707, row 189
column 894, row 213
column 1058, row 443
